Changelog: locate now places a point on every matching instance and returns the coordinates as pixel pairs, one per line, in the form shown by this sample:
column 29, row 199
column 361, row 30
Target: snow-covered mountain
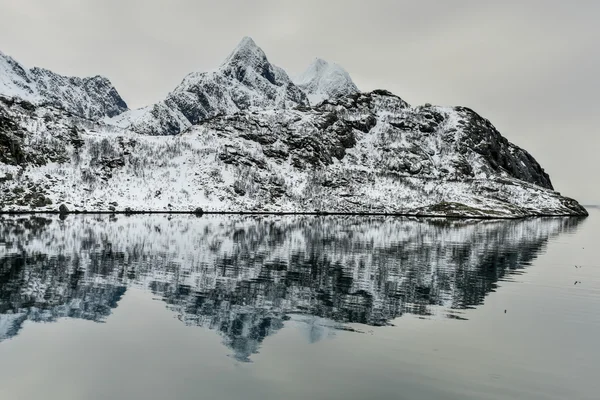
column 367, row 153
column 93, row 98
column 245, row 138
column 245, row 80
column 323, row 80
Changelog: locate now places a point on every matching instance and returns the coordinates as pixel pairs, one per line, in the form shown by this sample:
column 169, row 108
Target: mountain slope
column 16, row 81
column 245, row 80
column 323, row 80
column 93, row 98
column 368, row 152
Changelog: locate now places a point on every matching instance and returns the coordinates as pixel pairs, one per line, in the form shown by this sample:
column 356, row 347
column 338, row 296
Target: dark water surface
column 232, row 307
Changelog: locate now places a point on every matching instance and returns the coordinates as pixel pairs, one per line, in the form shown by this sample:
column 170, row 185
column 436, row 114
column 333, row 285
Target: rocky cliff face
column 93, row 98
column 430, row 142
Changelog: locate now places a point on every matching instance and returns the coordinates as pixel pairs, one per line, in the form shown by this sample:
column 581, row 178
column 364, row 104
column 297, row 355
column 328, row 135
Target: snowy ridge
column 322, row 81
column 15, row 80
column 245, row 80
column 93, row 98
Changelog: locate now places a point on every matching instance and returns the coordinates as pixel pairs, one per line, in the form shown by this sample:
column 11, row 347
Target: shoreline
column 291, row 213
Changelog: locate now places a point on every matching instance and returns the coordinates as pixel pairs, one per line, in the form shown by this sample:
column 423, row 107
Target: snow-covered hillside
column 245, row 138
column 368, row 153
column 323, row 80
column 93, row 98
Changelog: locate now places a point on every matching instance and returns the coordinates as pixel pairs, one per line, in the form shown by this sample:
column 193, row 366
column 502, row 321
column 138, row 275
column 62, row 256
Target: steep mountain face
column 33, row 135
column 245, row 80
column 93, row 98
column 15, row 80
column 381, row 132
column 323, row 80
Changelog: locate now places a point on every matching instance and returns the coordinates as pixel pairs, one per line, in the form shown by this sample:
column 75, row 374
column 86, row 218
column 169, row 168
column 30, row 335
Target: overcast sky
column 531, row 67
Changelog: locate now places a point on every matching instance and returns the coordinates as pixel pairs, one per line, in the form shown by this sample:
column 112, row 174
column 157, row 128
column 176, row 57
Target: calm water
column 232, row 307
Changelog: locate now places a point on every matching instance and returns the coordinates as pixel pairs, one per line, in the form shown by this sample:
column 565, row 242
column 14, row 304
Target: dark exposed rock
column 427, row 128
column 275, row 153
column 364, row 125
column 16, row 144
column 239, row 190
column 484, row 139
column 334, row 130
column 26, row 105
column 6, row 177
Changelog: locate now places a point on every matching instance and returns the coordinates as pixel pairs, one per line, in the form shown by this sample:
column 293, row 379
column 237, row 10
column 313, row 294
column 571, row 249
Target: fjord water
column 261, row 307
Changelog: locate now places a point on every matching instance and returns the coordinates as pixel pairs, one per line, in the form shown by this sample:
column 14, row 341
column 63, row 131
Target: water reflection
column 245, row 276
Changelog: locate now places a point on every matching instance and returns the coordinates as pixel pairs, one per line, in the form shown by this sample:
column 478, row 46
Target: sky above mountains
column 530, row 66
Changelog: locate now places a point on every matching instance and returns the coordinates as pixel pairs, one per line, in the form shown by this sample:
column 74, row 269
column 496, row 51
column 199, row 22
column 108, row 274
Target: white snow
column 323, row 80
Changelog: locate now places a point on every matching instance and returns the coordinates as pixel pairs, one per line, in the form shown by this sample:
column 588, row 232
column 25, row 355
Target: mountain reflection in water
column 245, row 276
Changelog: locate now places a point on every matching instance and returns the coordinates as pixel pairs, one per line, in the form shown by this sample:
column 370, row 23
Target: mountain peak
column 15, row 80
column 92, row 98
column 319, row 63
column 246, row 53
column 246, row 79
column 323, row 80
column 247, row 41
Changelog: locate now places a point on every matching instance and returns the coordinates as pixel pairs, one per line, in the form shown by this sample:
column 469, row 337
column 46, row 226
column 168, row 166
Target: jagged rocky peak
column 247, row 66
column 246, row 54
column 323, row 80
column 245, row 80
column 93, row 98
column 15, row 80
